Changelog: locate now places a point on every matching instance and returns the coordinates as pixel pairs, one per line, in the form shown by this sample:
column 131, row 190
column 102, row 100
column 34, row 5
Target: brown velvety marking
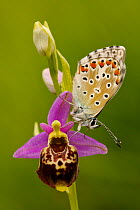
column 93, row 65
column 55, row 174
column 116, row 72
column 71, row 154
column 60, row 163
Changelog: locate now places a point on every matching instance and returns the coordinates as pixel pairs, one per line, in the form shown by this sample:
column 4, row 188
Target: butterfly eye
column 92, row 123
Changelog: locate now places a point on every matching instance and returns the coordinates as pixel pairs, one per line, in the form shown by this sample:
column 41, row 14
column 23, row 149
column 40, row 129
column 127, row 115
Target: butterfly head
column 78, row 114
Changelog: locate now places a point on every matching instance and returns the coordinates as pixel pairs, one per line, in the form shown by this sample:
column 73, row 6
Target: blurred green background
column 105, row 182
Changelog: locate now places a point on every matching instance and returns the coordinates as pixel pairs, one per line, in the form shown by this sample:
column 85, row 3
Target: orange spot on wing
column 101, row 64
column 117, row 81
column 82, row 68
column 93, row 65
column 113, row 65
column 108, row 62
column 117, row 72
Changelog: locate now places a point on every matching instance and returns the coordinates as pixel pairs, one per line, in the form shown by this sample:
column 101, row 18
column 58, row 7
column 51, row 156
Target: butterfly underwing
column 98, row 78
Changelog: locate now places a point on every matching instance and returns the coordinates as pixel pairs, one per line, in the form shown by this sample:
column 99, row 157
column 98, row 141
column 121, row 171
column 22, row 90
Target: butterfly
column 98, row 78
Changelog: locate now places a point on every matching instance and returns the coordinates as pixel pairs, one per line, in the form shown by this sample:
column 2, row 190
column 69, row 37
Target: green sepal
column 36, row 129
column 66, row 84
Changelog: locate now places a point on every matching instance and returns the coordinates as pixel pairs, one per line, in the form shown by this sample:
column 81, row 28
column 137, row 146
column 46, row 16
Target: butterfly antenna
column 116, row 140
column 66, row 101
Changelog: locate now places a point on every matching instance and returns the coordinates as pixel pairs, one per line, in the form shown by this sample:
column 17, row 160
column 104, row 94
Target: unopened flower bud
column 48, row 80
column 43, row 39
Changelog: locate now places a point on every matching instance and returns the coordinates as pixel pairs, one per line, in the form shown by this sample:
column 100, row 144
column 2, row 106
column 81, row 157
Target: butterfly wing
column 99, row 76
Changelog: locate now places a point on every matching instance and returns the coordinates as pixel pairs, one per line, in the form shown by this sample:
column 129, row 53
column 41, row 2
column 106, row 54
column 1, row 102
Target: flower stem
column 72, row 194
column 53, row 66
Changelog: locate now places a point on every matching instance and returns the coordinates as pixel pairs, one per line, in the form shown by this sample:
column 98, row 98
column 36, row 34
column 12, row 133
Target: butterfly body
column 98, row 78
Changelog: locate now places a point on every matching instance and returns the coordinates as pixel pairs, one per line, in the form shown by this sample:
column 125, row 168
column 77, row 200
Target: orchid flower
column 58, row 140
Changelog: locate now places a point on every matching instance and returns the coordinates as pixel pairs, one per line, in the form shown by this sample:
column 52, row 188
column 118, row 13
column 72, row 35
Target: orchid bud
column 48, row 80
column 43, row 39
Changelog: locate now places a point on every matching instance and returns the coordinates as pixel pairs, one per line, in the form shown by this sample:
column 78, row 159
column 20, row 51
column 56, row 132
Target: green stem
column 53, row 66
column 72, row 194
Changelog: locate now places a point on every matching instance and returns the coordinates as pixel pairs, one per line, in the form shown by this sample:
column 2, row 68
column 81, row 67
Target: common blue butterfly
column 98, row 78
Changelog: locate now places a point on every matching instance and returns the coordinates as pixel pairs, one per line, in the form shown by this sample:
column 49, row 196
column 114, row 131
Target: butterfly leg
column 79, row 126
column 78, row 129
column 66, row 101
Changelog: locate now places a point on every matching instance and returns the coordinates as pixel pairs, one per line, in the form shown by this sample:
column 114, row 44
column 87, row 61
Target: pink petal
column 60, row 108
column 85, row 145
column 48, row 80
column 67, row 127
column 46, row 128
column 33, row 147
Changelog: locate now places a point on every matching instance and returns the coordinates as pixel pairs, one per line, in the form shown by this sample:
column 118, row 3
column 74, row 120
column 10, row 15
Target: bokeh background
column 105, row 182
